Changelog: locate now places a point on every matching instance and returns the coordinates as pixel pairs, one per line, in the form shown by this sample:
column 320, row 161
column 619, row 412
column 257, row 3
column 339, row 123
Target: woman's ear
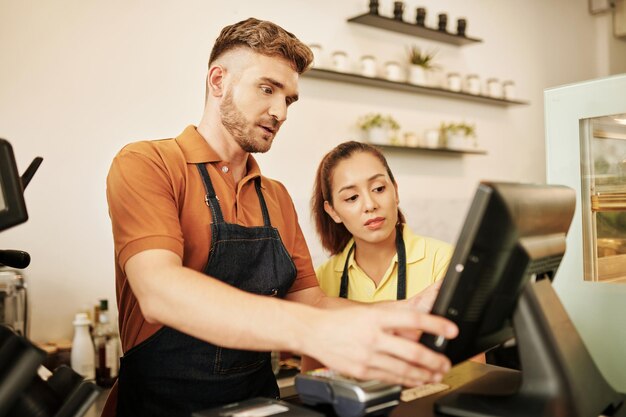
column 215, row 80
column 331, row 212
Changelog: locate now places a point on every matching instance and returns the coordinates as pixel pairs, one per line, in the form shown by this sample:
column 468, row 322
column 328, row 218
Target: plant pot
column 431, row 138
column 417, row 75
column 457, row 141
column 378, row 135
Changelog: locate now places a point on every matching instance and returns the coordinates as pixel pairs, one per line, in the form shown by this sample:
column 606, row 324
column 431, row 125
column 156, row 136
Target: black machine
column 23, row 393
column 12, row 205
column 498, row 286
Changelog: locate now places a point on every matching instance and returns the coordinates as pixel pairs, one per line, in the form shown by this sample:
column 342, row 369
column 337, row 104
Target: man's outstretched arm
column 360, row 341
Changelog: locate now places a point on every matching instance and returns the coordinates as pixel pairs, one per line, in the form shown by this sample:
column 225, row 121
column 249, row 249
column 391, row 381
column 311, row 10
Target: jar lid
column 489, row 80
column 81, row 319
column 367, row 57
column 508, row 82
column 453, row 74
column 339, row 53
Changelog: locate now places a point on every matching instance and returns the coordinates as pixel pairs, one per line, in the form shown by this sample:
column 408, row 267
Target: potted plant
column 458, row 135
column 378, row 127
column 420, row 62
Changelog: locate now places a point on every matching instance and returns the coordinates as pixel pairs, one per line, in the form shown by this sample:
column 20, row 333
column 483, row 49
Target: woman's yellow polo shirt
column 427, row 261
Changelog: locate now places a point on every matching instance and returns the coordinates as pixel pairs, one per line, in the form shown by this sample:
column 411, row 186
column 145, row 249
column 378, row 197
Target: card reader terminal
column 349, row 397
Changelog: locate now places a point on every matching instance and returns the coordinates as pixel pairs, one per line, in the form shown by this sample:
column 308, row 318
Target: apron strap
column 213, row 201
column 401, row 251
column 343, row 291
column 210, row 198
column 266, row 213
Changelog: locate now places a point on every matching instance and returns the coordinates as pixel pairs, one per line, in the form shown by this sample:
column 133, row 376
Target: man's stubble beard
column 237, row 125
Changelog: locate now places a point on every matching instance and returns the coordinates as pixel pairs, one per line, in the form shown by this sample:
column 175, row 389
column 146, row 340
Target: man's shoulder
column 272, row 183
column 149, row 147
column 275, row 188
column 159, row 151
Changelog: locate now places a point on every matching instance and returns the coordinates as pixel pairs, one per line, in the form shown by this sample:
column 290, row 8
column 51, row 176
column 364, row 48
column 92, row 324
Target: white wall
column 78, row 80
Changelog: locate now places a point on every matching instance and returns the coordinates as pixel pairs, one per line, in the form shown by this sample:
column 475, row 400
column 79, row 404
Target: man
column 210, row 257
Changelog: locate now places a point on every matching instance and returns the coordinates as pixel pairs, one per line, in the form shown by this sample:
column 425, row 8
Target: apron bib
column 172, row 374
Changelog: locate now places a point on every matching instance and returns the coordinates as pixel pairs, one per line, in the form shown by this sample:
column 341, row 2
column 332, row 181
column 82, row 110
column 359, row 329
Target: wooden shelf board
column 326, row 74
column 407, row 28
column 439, row 150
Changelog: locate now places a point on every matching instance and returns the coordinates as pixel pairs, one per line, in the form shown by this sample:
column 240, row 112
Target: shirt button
column 224, row 169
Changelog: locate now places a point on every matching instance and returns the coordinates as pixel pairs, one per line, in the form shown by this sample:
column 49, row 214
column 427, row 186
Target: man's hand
column 363, row 342
column 424, row 300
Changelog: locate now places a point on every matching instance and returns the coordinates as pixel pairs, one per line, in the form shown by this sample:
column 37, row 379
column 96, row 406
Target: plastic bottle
column 106, row 348
column 82, row 357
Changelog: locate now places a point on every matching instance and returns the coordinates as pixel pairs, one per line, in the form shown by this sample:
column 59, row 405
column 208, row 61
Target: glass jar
column 472, row 84
column 368, row 66
column 454, row 81
column 508, row 90
column 393, row 71
column 398, row 10
column 340, row 61
column 317, row 55
column 494, row 88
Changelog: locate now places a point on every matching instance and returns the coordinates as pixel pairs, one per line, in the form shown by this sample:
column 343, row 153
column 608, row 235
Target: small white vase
column 417, row 75
column 378, row 135
column 456, row 141
column 432, row 138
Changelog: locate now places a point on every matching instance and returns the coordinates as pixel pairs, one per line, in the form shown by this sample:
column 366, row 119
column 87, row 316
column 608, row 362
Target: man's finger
column 402, row 319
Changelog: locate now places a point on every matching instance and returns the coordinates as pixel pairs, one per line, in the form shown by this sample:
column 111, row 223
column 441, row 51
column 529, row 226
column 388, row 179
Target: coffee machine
column 23, row 391
column 13, row 301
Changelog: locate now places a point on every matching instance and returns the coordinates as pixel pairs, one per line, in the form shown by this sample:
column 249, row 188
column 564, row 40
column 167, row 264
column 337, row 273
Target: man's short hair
column 265, row 38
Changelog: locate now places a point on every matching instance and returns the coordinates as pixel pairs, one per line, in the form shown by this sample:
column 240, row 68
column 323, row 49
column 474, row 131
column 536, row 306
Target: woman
column 375, row 256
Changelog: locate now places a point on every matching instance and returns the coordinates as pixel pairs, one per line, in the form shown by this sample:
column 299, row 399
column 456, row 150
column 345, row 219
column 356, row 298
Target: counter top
column 424, row 407
column 286, row 386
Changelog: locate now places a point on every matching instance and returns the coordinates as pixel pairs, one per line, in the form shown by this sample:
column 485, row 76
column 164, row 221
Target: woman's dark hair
column 335, row 236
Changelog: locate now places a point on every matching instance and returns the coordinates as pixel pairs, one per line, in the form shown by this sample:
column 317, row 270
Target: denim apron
column 400, row 249
column 172, row 374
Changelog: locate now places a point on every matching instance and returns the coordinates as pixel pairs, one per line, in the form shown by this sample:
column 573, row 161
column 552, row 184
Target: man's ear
column 215, row 80
column 331, row 212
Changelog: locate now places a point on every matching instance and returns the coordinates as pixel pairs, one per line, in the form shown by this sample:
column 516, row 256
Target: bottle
column 106, row 350
column 82, row 357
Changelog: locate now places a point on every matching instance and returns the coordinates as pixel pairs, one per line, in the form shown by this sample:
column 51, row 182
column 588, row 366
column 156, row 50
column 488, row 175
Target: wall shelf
column 418, row 149
column 399, row 26
column 324, row 74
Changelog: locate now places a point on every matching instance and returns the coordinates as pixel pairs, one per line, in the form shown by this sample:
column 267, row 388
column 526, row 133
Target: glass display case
column 603, row 195
column 586, row 150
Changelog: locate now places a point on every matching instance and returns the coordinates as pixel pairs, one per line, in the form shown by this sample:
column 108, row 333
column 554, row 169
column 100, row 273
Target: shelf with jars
column 440, row 150
column 451, row 138
column 353, row 78
column 401, row 26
